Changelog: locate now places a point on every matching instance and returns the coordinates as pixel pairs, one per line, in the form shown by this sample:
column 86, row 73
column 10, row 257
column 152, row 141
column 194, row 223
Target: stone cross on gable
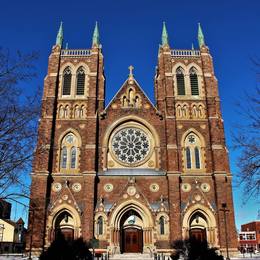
column 131, row 68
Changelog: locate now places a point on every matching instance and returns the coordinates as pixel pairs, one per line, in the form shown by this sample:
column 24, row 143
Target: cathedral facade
column 134, row 175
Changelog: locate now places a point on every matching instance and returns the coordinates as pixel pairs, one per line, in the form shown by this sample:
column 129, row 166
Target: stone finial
column 165, row 40
column 95, row 38
column 59, row 38
column 201, row 39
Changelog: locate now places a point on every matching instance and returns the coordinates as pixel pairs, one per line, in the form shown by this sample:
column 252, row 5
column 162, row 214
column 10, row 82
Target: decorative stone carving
column 76, row 187
column 108, row 187
column 205, row 187
column 154, row 187
column 186, row 187
column 56, row 187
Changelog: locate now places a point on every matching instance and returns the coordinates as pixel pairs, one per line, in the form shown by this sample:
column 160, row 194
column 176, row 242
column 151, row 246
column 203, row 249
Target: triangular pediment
column 130, row 97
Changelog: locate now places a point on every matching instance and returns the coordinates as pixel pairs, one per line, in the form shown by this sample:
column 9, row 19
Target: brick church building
column 133, row 174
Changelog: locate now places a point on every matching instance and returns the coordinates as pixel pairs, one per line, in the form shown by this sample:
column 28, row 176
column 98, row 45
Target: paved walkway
column 240, row 257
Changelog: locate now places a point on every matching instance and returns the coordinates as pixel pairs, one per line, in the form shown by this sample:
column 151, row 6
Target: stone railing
column 75, row 53
column 185, row 53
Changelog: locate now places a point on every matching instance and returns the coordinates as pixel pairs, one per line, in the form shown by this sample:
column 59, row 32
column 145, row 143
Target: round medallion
column 154, row 187
column 131, row 190
column 197, row 197
column 70, row 138
column 191, row 139
column 56, row 187
column 151, row 163
column 76, row 187
column 65, row 197
column 108, row 187
column 186, row 187
column 205, row 187
column 130, row 146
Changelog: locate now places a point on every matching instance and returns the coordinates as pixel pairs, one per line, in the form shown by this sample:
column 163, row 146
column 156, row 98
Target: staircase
column 131, row 256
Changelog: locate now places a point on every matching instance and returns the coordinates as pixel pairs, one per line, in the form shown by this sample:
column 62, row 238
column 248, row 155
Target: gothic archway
column 64, row 226
column 131, row 216
column 131, row 232
column 199, row 221
column 197, row 226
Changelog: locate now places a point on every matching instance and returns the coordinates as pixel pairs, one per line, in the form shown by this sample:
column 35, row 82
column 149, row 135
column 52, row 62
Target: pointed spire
column 67, row 45
column 165, row 40
column 59, row 38
column 95, row 38
column 192, row 46
column 201, row 39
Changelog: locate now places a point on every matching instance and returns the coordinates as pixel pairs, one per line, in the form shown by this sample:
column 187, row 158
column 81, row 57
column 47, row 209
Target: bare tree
column 246, row 140
column 18, row 120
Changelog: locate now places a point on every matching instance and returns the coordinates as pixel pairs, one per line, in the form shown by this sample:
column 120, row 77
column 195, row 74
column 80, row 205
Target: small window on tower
column 197, row 157
column 64, row 157
column 162, row 225
column 188, row 158
column 193, row 152
column 194, row 82
column 80, row 81
column 69, row 154
column 66, row 81
column 180, row 81
column 100, row 225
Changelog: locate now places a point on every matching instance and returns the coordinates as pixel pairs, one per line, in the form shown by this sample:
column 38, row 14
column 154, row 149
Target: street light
column 225, row 210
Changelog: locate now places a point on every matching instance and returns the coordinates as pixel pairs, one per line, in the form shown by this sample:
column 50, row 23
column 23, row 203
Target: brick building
column 133, row 174
column 249, row 237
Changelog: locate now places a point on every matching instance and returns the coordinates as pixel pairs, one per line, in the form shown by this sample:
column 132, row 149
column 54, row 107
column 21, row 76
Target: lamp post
column 225, row 210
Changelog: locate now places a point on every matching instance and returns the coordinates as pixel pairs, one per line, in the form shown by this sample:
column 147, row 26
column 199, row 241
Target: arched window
column 197, row 157
column 80, row 81
column 180, row 81
column 162, row 225
column 194, row 82
column 69, row 153
column 192, row 152
column 73, row 152
column 64, row 156
column 188, row 158
column 66, row 81
column 100, row 225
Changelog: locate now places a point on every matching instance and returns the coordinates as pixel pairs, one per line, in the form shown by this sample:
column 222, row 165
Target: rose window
column 130, row 145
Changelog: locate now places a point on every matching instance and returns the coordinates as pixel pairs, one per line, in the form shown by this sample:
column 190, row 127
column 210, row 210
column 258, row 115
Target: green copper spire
column 201, row 39
column 164, row 35
column 59, row 38
column 95, row 38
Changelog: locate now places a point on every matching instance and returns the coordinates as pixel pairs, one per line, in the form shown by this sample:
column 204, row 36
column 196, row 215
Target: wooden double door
column 132, row 240
column 198, row 234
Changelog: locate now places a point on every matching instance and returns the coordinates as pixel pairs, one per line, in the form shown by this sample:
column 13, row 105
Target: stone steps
column 131, row 256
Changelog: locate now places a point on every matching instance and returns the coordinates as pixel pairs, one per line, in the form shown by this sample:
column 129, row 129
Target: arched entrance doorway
column 128, row 219
column 198, row 224
column 131, row 232
column 64, row 226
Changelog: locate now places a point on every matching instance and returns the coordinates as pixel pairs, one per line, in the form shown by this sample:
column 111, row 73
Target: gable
column 130, row 97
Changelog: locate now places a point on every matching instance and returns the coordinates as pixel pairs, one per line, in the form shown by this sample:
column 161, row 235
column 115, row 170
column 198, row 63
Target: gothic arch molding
column 211, row 228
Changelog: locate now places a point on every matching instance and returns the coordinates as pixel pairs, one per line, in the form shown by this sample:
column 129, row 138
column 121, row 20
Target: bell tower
column 64, row 164
column 186, row 93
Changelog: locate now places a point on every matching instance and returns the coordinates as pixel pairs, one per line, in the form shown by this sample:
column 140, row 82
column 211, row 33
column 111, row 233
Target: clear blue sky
column 130, row 34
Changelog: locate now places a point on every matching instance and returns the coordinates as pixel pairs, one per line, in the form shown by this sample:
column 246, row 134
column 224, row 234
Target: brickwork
column 160, row 187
